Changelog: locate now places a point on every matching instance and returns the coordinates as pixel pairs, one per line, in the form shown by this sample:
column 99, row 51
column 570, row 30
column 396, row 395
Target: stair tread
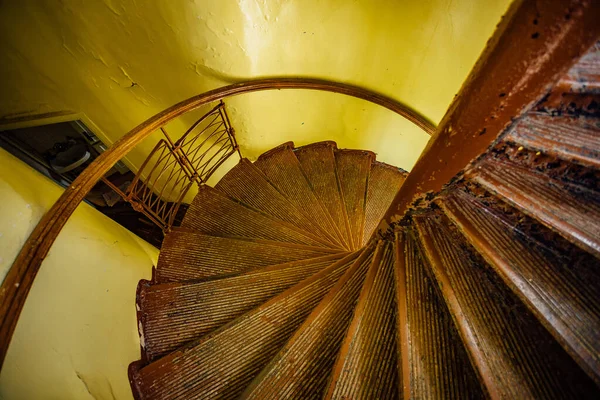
column 188, row 255
column 174, row 314
column 434, row 362
column 215, row 214
column 282, row 169
column 318, row 163
column 301, row 368
column 366, row 365
column 246, row 184
column 222, row 363
column 562, row 293
column 353, row 167
column 584, row 76
column 384, row 183
column 573, row 211
column 515, row 356
column 569, row 138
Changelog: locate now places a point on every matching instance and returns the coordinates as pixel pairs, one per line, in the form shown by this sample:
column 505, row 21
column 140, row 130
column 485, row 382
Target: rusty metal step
column 514, row 355
column 366, row 365
column 353, row 167
column 384, row 182
column 568, row 138
column 221, row 364
column 433, row 363
column 188, row 255
column 215, row 214
column 563, row 294
column 577, row 93
column 174, row 314
column 318, row 164
column 247, row 185
column 571, row 210
column 301, row 367
column 283, row 171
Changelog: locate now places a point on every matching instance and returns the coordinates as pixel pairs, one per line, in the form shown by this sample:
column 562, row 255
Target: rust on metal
column 211, row 367
column 515, row 356
column 540, row 278
column 171, row 168
column 402, row 339
column 19, row 279
column 318, row 164
column 506, row 82
column 366, row 365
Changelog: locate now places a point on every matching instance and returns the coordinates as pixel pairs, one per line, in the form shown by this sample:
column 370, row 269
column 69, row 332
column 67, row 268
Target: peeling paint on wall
column 122, row 62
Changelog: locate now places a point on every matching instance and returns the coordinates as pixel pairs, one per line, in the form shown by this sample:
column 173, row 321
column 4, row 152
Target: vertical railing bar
column 173, row 166
column 234, row 142
column 198, row 122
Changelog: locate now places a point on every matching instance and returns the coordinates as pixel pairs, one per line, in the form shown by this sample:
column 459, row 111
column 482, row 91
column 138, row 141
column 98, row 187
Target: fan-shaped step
column 384, row 182
column 318, row 163
column 173, row 314
column 571, row 210
column 366, row 365
column 215, row 214
column 433, row 362
column 564, row 294
column 353, row 167
column 188, row 255
column 221, row 364
column 514, row 355
column 247, row 185
column 568, row 138
column 283, row 171
column 301, row 368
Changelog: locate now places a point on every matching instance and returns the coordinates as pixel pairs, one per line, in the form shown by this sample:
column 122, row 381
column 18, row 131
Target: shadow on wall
column 122, row 62
column 77, row 332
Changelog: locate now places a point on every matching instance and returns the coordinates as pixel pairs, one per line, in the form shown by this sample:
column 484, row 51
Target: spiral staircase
column 276, row 285
column 281, row 282
column 319, row 272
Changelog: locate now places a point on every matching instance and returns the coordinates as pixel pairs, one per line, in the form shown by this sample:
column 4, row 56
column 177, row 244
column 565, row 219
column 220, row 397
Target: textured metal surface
column 366, row 365
column 248, row 185
column 301, row 368
column 401, row 294
column 383, row 184
column 513, row 354
column 170, row 170
column 283, row 170
column 562, row 294
column 220, row 365
column 533, row 46
column 207, row 144
column 577, row 93
column 318, row 164
column 353, row 167
column 20, row 277
column 188, row 255
column 173, row 314
column 571, row 210
column 215, row 214
column 568, row 138
column 437, row 365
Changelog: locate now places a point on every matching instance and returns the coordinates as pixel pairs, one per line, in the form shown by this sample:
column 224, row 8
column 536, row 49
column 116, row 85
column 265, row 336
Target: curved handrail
column 19, row 279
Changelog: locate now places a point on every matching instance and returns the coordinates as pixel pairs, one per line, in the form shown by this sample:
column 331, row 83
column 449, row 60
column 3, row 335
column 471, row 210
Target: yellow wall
column 77, row 332
column 122, row 61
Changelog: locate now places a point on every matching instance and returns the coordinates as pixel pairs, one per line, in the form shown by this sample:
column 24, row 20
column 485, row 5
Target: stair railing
column 19, row 279
column 171, row 168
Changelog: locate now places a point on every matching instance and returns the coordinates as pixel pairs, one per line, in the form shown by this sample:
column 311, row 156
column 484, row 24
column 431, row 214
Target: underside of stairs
column 277, row 284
